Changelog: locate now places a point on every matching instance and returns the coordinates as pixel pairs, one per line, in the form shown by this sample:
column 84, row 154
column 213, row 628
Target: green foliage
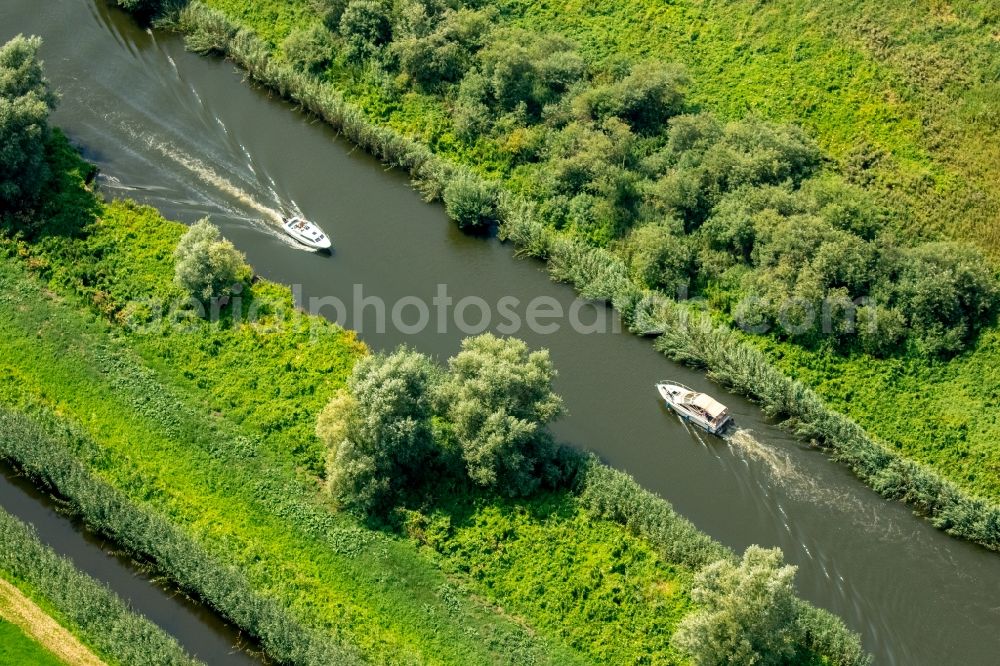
column 444, row 53
column 525, row 70
column 607, row 494
column 330, row 12
column 659, row 258
column 85, row 606
column 25, row 103
column 498, row 399
column 605, row 591
column 366, row 27
column 208, row 266
column 747, row 612
column 378, row 436
column 309, row 50
column 646, row 98
column 470, row 202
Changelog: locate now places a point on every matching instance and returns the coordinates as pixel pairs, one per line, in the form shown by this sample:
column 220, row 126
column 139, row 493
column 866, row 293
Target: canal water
column 190, row 136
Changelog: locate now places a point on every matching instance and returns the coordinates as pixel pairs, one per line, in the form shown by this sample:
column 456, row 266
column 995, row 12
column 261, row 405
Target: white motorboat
column 698, row 408
column 306, row 232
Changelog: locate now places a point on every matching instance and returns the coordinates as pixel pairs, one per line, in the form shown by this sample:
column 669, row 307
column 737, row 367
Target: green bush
column 498, row 399
column 470, row 202
column 378, row 433
column 208, row 266
column 366, row 26
column 747, row 612
column 309, row 50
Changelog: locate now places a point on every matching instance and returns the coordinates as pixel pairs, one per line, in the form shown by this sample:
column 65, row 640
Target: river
column 188, row 135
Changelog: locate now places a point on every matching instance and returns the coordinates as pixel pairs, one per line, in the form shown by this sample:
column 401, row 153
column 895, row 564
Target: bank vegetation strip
column 72, row 615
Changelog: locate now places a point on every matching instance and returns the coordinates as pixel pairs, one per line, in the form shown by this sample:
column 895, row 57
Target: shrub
column 208, row 266
column 309, row 50
column 366, row 26
column 330, row 11
column 651, row 94
column 659, row 258
column 498, row 398
column 748, row 612
column 378, row 435
column 25, row 103
column 445, row 54
column 948, row 292
column 470, row 202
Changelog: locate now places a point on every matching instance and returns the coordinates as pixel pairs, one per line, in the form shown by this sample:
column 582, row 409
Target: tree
column 25, row 103
column 651, row 94
column 330, row 11
column 207, row 265
column 445, row 54
column 366, row 25
column 498, row 399
column 659, row 257
column 471, row 203
column 378, row 433
column 747, row 612
column 309, row 50
column 948, row 292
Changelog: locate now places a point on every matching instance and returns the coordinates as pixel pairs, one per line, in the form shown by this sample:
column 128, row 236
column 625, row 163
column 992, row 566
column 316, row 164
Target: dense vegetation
column 89, row 609
column 879, row 191
column 90, row 369
column 739, row 211
column 208, row 266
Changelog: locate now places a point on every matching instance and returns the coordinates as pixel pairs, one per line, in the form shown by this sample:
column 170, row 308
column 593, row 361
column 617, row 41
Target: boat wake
column 270, row 214
column 779, row 465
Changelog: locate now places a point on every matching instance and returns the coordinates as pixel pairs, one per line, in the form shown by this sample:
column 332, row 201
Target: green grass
column 607, row 594
column 17, row 649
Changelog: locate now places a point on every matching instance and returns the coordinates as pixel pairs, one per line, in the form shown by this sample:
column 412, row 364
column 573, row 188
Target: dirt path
column 22, row 611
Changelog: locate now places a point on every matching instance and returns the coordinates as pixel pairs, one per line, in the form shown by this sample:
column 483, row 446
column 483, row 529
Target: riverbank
column 235, row 477
column 945, row 480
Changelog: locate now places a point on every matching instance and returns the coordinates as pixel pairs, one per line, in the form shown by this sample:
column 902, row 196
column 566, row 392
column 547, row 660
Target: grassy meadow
column 17, row 648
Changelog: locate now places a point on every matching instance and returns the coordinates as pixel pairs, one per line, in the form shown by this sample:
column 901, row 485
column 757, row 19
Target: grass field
column 17, row 649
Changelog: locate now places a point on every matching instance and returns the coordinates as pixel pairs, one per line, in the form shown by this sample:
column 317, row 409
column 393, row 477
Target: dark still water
column 189, row 136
